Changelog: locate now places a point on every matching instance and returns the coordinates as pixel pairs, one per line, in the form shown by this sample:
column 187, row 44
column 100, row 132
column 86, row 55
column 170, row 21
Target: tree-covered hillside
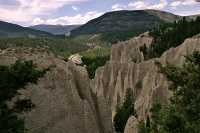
column 120, row 21
column 121, row 25
column 14, row 30
column 171, row 35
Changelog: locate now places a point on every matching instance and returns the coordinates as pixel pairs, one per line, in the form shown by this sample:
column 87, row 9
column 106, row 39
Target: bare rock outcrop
column 64, row 102
column 129, row 51
column 131, row 126
column 76, row 58
column 67, row 101
column 143, row 77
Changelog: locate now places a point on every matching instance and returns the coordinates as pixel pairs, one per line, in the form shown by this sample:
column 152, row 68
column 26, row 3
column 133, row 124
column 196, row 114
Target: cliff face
column 127, row 69
column 129, row 51
column 66, row 100
column 63, row 98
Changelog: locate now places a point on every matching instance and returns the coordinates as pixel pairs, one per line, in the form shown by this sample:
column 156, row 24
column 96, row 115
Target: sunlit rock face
column 64, row 102
column 127, row 69
column 76, row 58
column 132, row 125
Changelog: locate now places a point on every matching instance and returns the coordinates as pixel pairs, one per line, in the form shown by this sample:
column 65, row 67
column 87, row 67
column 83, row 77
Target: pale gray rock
column 129, row 51
column 67, row 101
column 143, row 77
column 132, row 125
column 64, row 102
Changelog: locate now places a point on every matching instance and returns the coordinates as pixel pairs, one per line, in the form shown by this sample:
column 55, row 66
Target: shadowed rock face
column 63, row 97
column 122, row 72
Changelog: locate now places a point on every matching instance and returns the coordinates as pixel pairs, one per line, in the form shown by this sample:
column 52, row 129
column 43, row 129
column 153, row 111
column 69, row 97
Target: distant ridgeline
column 122, row 25
column 170, row 35
column 14, row 30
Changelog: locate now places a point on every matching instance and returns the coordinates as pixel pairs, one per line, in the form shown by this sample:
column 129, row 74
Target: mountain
column 14, row 30
column 55, row 29
column 137, row 21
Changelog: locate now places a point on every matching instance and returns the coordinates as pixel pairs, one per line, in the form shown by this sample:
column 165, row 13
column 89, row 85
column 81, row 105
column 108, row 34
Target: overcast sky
column 65, row 12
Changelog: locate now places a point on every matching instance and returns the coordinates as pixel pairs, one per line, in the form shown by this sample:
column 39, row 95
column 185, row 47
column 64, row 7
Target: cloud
column 117, row 7
column 188, row 13
column 27, row 10
column 183, row 3
column 138, row 5
column 14, row 16
column 161, row 5
column 189, row 2
column 68, row 20
column 38, row 7
column 175, row 3
column 145, row 5
column 37, row 21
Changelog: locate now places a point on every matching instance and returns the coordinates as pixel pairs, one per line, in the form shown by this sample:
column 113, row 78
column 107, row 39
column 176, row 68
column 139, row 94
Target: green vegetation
column 96, row 52
column 92, row 58
column 114, row 37
column 63, row 47
column 92, row 40
column 13, row 78
column 119, row 25
column 95, row 58
column 124, row 112
column 13, row 30
column 182, row 113
column 108, row 38
column 171, row 35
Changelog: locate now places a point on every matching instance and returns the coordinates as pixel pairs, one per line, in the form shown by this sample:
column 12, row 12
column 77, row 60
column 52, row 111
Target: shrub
column 124, row 112
column 182, row 114
column 167, row 36
column 95, row 58
column 13, row 78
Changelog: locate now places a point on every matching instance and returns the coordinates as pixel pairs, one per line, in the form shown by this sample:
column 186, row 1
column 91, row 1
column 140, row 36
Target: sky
column 68, row 12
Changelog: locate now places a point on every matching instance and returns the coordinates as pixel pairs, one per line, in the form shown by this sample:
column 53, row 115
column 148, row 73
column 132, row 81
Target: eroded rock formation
column 67, row 101
column 127, row 69
column 64, row 102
